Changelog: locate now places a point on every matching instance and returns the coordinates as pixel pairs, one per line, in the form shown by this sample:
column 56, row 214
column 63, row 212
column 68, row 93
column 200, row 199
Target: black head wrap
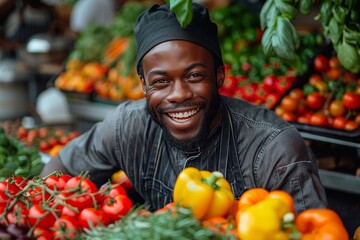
column 159, row 24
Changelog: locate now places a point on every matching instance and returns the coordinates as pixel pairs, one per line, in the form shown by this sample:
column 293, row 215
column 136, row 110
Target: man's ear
column 220, row 76
column 143, row 84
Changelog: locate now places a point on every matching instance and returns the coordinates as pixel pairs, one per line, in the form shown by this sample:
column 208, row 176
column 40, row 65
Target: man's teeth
column 184, row 114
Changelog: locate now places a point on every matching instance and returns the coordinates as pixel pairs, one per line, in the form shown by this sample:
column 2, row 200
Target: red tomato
column 261, row 93
column 113, row 190
column 321, row 63
column 18, row 214
column 351, row 100
column 315, row 101
column 289, row 116
column 7, row 192
column 57, row 182
column 93, row 217
column 269, row 82
column 229, row 84
column 22, row 133
column 65, row 211
column 82, row 184
column 339, row 122
column 248, row 92
column 319, row 119
column 116, row 207
column 333, row 73
column 80, row 192
column 39, row 217
column 37, row 195
column 283, row 84
column 66, row 227
column 271, row 100
column 42, row 234
column 351, row 125
column 21, row 182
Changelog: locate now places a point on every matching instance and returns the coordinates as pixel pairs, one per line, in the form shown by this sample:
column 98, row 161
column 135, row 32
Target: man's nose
column 180, row 91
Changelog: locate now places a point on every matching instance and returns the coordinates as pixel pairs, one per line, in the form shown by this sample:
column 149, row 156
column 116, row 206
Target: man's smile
column 183, row 116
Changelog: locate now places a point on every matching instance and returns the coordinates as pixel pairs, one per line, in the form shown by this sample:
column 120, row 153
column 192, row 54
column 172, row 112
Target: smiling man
column 183, row 121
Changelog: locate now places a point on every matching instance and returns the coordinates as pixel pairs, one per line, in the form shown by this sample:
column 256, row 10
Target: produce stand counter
column 93, row 112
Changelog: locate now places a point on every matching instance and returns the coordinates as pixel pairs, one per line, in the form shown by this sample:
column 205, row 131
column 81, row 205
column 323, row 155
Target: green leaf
column 305, row 6
column 283, row 41
column 351, row 36
column 326, row 13
column 264, row 13
column 335, row 31
column 286, row 8
column 340, row 13
column 349, row 56
column 182, row 10
column 267, row 42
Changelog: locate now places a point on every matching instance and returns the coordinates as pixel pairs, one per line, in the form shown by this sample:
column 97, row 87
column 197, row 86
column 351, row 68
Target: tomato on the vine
column 79, row 192
column 42, row 234
column 39, row 217
column 18, row 214
column 57, row 182
column 7, row 191
column 93, row 217
column 116, row 207
column 66, row 227
column 19, row 181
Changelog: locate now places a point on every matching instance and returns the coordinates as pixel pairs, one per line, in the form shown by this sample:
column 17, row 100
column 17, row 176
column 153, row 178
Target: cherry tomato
column 21, row 182
column 319, row 119
column 334, row 62
column 116, row 207
column 289, row 116
column 37, row 195
column 7, row 192
column 113, row 190
column 337, row 108
column 351, row 100
column 296, row 93
column 269, row 82
column 80, row 190
column 42, row 234
column 18, row 214
column 339, row 122
column 289, row 104
column 57, row 182
column 39, row 217
column 333, row 73
column 272, row 99
column 321, row 63
column 93, row 217
column 66, row 227
column 351, row 125
column 283, row 84
column 315, row 101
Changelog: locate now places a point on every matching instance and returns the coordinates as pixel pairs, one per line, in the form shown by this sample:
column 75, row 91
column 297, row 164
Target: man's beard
column 198, row 141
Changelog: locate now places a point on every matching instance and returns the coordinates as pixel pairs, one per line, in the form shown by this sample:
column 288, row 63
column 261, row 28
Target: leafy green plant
column 340, row 20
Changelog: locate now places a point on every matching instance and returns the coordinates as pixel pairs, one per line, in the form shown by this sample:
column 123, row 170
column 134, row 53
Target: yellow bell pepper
column 208, row 194
column 264, row 221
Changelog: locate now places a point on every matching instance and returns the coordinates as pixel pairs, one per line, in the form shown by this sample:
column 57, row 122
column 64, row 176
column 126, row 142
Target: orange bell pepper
column 320, row 224
column 208, row 194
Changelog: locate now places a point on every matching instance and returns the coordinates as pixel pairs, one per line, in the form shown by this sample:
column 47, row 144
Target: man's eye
column 194, row 76
column 160, row 82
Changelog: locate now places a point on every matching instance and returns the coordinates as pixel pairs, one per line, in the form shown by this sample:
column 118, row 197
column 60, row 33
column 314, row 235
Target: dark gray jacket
column 251, row 146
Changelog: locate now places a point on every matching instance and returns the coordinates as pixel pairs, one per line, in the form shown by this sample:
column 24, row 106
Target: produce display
column 102, row 63
column 328, row 97
column 46, row 139
column 60, row 206
column 250, row 74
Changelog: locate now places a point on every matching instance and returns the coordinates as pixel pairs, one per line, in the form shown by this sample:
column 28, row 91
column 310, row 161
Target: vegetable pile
column 329, row 97
column 60, row 206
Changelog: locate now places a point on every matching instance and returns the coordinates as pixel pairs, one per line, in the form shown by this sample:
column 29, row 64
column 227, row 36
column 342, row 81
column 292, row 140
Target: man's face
column 181, row 85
